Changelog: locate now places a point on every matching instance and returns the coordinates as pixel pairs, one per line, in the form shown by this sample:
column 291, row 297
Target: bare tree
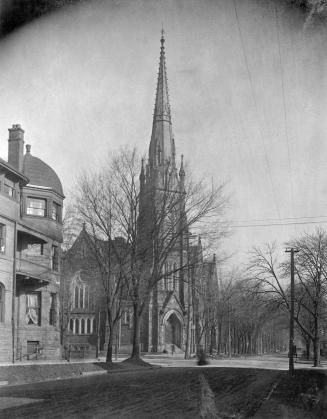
column 154, row 224
column 311, row 271
column 247, row 324
column 96, row 203
column 165, row 228
column 71, row 226
column 268, row 277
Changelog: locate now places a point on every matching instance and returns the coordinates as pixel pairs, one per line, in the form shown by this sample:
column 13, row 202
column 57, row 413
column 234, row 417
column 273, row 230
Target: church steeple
column 162, row 146
column 142, row 175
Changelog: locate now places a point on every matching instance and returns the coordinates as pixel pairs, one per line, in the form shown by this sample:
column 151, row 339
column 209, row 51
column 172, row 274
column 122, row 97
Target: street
column 163, row 392
column 181, row 389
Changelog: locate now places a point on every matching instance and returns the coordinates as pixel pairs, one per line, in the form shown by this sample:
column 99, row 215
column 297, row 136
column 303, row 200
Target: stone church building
column 173, row 314
column 165, row 321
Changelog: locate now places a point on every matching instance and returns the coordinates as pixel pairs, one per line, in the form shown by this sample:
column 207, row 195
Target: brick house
column 31, row 199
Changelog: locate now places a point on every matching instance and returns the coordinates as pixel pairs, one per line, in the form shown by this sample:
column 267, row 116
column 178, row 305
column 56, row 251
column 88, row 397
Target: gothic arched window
column 76, row 297
column 81, row 295
column 77, row 326
column 82, row 327
column 88, row 326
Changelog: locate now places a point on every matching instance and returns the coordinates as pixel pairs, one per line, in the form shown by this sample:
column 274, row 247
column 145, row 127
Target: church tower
column 165, row 321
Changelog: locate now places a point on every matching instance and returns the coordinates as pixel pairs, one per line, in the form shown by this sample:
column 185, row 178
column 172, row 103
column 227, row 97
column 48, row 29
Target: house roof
column 41, row 174
column 12, row 170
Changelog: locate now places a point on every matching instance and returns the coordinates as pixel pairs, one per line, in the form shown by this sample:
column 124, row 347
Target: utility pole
column 291, row 250
column 98, row 337
column 229, row 332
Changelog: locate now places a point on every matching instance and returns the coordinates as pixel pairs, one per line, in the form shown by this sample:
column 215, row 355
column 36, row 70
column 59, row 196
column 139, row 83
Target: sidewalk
column 43, row 370
column 50, row 362
column 32, row 371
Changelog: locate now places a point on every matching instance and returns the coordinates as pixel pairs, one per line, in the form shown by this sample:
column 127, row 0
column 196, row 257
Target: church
column 175, row 315
column 168, row 319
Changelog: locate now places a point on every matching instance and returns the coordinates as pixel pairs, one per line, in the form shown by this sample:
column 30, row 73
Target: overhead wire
column 281, row 219
column 277, row 224
column 212, row 235
column 269, row 222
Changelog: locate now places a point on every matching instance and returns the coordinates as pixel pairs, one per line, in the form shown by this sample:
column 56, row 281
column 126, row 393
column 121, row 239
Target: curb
column 83, row 374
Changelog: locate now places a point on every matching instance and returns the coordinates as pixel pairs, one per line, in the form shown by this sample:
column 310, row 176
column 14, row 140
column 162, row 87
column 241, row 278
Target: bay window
column 55, row 211
column 36, row 206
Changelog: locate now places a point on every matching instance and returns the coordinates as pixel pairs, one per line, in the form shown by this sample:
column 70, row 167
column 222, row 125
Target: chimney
column 16, row 147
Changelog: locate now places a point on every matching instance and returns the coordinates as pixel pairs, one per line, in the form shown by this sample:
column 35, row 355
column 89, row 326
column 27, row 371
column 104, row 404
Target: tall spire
column 162, row 146
column 142, row 175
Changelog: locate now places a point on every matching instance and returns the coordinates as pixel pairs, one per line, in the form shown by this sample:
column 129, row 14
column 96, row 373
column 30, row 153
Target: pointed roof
column 162, row 146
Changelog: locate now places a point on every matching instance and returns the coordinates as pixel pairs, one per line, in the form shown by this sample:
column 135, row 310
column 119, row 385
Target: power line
column 280, row 219
column 213, row 235
column 277, row 224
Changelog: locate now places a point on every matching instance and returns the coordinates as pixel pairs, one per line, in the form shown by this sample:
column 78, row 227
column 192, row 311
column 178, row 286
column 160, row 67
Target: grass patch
column 137, row 363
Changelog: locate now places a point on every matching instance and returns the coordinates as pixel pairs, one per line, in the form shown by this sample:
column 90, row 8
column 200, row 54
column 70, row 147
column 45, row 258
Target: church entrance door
column 173, row 331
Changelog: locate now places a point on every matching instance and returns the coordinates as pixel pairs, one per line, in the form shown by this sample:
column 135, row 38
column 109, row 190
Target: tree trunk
column 136, row 352
column 110, row 344
column 316, row 354
column 211, row 340
column 219, row 338
column 110, row 338
column 307, row 348
column 316, row 343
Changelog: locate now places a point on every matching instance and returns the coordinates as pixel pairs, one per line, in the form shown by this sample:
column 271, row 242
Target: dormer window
column 36, row 206
column 55, row 212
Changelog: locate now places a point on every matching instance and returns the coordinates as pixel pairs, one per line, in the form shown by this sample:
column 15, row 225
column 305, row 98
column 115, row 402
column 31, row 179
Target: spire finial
column 181, row 170
column 162, row 40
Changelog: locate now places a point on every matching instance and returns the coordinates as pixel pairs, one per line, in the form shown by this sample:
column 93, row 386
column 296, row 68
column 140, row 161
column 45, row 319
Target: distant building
column 31, row 200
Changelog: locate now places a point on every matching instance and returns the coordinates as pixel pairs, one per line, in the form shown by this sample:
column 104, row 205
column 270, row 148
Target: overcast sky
column 247, row 91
